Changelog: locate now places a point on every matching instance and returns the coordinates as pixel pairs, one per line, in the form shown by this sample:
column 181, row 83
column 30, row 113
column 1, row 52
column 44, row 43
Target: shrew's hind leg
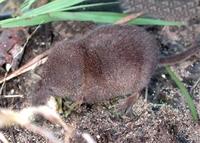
column 125, row 105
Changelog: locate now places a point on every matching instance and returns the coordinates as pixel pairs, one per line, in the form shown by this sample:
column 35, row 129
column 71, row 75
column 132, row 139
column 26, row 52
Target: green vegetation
column 58, row 10
column 184, row 92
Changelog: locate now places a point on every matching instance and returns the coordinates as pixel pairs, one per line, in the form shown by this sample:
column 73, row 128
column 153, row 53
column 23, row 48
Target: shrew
column 110, row 61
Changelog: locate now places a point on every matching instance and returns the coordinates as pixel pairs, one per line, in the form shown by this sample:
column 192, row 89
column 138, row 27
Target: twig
column 5, row 76
column 4, row 82
column 2, row 138
column 88, row 138
column 38, row 60
column 30, row 36
column 194, row 86
column 128, row 18
column 13, row 96
column 146, row 94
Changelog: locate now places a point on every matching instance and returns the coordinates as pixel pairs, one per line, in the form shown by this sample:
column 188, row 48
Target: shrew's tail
column 194, row 50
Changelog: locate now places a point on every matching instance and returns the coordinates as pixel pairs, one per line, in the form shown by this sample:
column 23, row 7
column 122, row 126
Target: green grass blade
column 89, row 5
column 98, row 17
column 158, row 22
column 2, row 1
column 53, row 6
column 109, row 17
column 26, row 5
column 21, row 22
column 184, row 92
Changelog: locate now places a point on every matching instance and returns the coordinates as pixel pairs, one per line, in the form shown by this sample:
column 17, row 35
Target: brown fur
column 109, row 61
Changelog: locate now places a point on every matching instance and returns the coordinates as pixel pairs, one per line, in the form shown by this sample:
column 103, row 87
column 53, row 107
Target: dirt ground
column 160, row 116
